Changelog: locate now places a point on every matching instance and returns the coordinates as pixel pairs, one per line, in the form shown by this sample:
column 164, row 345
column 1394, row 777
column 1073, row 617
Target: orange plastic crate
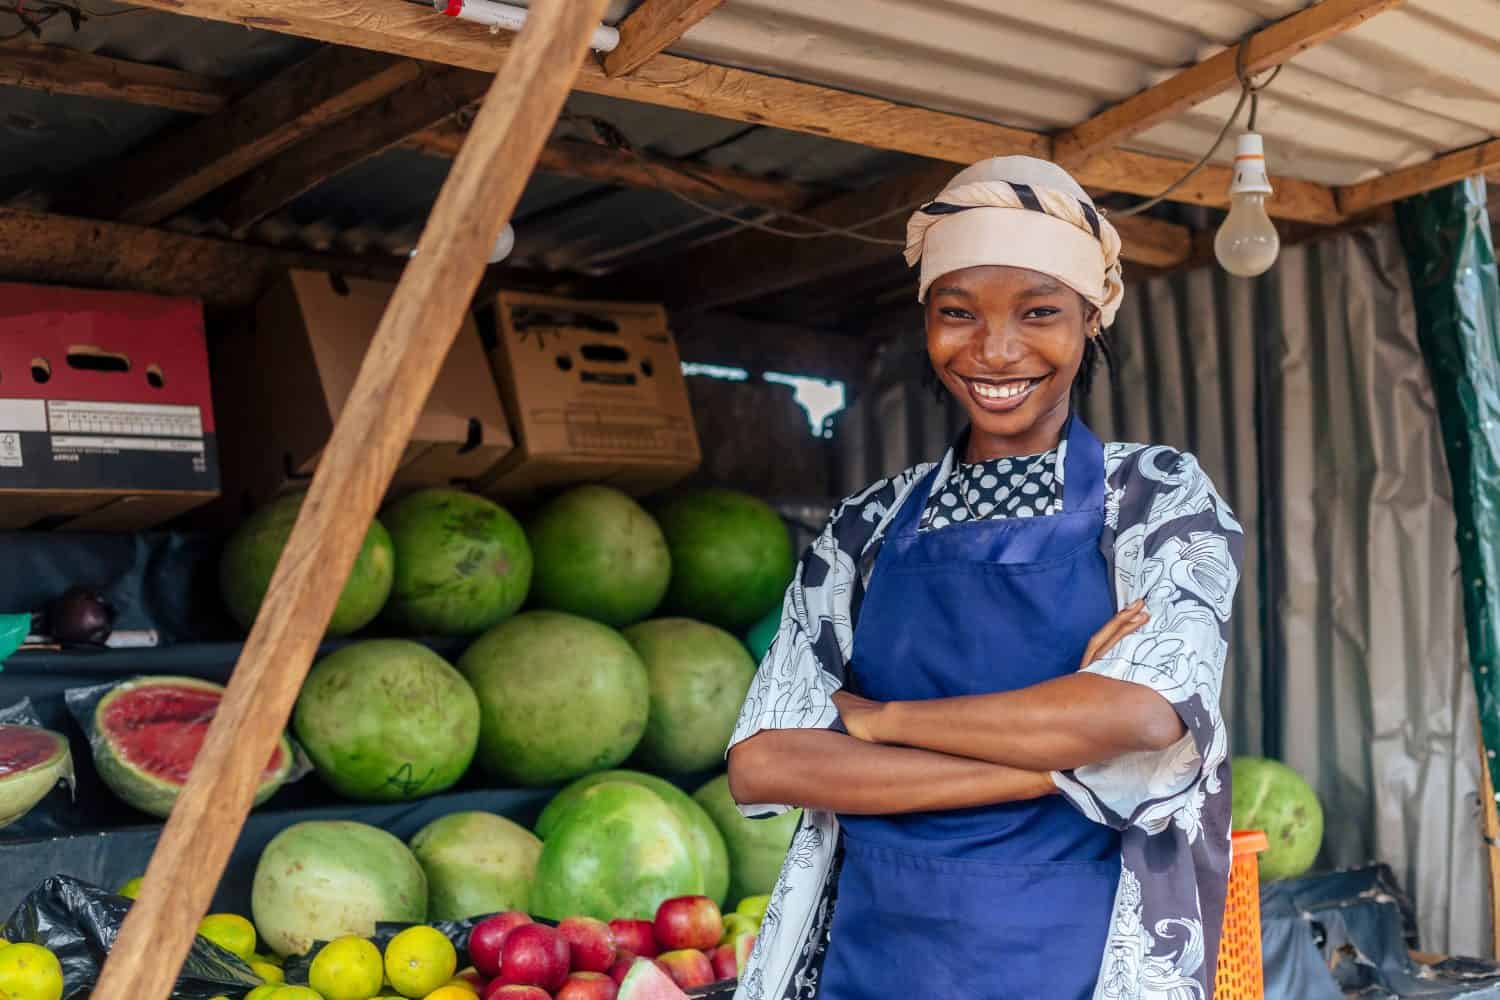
column 1240, row 975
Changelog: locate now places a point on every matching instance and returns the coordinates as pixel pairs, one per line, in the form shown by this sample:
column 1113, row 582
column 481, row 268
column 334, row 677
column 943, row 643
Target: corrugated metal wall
column 1305, row 396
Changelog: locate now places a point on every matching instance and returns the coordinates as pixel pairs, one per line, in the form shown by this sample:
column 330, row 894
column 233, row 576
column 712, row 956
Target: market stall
column 433, row 315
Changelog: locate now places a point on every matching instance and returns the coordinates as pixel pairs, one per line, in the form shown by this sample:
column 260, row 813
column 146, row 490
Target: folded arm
column 1058, row 725
column 823, row 769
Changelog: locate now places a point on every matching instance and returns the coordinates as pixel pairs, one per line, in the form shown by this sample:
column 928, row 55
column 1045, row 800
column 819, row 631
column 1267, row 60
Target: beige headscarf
column 1019, row 211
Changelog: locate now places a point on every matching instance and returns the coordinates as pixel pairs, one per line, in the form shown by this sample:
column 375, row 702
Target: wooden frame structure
column 395, row 75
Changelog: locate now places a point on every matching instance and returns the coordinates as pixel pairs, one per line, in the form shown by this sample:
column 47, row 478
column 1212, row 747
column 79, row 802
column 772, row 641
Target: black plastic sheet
column 78, row 923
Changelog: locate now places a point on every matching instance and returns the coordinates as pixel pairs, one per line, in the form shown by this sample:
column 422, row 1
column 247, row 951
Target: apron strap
column 1083, row 469
column 909, row 517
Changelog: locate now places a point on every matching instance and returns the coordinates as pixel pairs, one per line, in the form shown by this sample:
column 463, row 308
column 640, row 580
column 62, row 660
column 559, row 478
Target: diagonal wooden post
column 398, row 371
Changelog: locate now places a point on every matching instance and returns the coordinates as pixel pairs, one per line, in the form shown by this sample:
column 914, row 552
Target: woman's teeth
column 1006, row 391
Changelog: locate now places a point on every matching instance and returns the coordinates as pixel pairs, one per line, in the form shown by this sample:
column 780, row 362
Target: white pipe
column 503, row 15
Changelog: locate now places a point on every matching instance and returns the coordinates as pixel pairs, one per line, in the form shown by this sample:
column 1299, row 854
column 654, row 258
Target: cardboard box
column 106, row 418
column 594, row 392
column 282, row 381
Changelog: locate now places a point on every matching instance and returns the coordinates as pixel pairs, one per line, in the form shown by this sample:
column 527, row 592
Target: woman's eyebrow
column 952, row 290
column 1044, row 288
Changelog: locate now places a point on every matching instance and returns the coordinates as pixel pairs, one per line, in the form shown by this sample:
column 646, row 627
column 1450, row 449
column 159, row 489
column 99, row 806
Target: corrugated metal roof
column 1406, row 85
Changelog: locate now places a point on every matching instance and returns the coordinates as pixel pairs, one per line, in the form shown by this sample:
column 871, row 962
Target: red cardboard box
column 106, row 417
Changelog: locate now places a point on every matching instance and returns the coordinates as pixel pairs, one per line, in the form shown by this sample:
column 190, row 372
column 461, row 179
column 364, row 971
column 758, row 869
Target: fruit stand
column 495, row 633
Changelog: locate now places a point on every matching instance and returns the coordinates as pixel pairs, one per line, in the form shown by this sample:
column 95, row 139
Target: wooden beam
column 1265, row 49
column 61, row 249
column 1445, row 169
column 651, row 28
column 596, row 162
column 371, row 433
column 755, row 264
column 742, row 95
column 166, row 176
column 59, row 70
column 437, row 93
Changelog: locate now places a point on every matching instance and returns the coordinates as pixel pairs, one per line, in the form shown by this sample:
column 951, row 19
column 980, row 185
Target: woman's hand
column 858, row 714
column 1126, row 621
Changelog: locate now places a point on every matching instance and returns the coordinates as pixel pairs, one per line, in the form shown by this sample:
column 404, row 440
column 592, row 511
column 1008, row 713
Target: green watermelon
column 476, row 863
column 699, row 676
column 757, row 847
column 1271, row 797
column 559, row 696
column 598, row 554
column 251, row 554
column 731, row 557
column 462, row 563
column 618, row 852
column 32, row 761
column 707, row 842
column 386, row 720
column 321, row 880
column 758, row 640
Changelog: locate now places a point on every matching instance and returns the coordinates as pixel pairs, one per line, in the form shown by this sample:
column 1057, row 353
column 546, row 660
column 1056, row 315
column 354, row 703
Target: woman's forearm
column 820, row 769
column 1054, row 726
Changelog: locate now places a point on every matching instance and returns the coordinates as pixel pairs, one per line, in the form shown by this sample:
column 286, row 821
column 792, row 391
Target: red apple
column 487, row 937
column 724, row 963
column 588, row 986
column 591, row 942
column 688, row 922
column 636, row 937
column 534, row 955
column 687, row 967
column 517, row 992
column 623, row 961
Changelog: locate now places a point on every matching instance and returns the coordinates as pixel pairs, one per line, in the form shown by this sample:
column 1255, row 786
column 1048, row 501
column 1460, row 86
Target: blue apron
column 1003, row 901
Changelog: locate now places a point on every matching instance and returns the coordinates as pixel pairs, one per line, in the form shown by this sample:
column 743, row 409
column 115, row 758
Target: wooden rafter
column 671, row 81
column 1265, row 49
column 594, row 162
column 64, row 249
column 1355, row 199
column 369, row 437
column 438, row 92
column 60, row 70
column 651, row 28
column 167, row 175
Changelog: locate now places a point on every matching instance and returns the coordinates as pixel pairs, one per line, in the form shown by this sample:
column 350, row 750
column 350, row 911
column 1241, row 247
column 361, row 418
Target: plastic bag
column 78, row 923
column 22, row 716
column 186, row 743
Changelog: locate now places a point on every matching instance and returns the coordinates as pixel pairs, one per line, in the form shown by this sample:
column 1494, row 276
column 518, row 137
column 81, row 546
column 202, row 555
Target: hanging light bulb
column 1247, row 244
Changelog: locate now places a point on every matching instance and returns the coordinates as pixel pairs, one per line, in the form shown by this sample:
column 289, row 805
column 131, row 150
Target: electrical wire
column 610, row 135
column 33, row 19
column 1249, row 90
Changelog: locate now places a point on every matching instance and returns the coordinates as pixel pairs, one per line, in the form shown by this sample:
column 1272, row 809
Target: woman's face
column 1007, row 342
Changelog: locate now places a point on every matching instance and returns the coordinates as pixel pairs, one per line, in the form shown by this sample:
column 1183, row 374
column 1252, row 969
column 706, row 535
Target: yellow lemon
column 451, row 992
column 229, row 931
column 754, row 907
column 267, row 972
column 270, row 958
column 348, row 968
column 219, row 997
column 736, row 924
column 419, row 960
column 460, row 983
column 295, row 993
column 131, row 889
column 262, row 991
column 30, row 972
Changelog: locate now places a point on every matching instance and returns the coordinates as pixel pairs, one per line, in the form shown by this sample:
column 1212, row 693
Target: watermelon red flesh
column 161, row 729
column 148, row 732
column 32, row 762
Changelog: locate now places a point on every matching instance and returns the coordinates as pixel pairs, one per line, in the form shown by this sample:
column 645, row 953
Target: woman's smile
column 1002, row 395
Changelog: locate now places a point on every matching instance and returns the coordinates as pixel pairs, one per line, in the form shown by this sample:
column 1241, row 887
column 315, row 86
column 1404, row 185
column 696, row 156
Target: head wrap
column 1019, row 211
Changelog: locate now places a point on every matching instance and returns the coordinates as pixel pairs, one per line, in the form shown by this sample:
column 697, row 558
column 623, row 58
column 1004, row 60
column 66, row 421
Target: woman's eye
column 1042, row 312
column 953, row 312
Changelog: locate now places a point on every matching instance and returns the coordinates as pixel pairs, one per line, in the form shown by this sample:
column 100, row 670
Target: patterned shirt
column 995, row 488
column 1168, row 537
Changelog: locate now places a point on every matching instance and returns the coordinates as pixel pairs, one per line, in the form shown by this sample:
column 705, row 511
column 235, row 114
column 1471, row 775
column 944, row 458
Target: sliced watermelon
column 32, row 761
column 647, row 981
column 147, row 733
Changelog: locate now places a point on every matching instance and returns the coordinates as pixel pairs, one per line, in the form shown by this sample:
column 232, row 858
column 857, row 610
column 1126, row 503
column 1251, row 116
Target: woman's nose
column 1000, row 344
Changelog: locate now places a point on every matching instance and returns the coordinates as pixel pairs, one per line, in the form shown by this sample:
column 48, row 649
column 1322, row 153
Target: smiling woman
column 994, row 688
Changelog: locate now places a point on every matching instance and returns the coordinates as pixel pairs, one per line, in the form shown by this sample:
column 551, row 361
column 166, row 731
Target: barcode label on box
column 10, row 450
column 145, row 419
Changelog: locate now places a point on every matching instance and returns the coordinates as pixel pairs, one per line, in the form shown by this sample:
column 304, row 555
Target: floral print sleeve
column 1168, row 537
